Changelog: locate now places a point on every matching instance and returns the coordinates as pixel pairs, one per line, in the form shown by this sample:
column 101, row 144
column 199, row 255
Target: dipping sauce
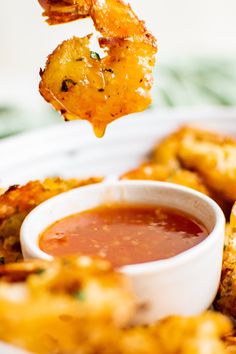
column 124, row 234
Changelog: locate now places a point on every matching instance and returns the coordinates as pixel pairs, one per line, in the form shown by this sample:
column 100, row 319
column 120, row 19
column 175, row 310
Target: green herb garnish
column 95, row 55
column 79, row 295
column 67, row 84
column 40, row 271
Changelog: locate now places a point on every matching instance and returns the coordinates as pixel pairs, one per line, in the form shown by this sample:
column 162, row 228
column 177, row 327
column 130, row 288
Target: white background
column 184, row 28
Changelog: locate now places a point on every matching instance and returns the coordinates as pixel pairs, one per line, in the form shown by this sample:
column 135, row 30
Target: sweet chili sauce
column 124, row 234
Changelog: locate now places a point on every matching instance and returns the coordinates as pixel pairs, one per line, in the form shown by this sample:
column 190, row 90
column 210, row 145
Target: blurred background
column 196, row 63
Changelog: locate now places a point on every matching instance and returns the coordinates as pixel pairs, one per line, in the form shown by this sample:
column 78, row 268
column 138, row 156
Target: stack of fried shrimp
column 205, row 161
column 81, row 305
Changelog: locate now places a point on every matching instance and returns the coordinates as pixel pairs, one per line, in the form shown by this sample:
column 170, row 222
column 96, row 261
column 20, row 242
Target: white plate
column 71, row 150
column 8, row 349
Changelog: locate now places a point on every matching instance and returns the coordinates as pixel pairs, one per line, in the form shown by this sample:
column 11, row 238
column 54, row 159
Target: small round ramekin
column 185, row 284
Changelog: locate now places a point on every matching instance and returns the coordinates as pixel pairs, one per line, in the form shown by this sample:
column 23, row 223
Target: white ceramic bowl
column 185, row 284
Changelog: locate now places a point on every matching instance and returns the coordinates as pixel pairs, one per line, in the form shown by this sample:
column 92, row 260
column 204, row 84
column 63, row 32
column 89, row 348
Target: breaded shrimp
column 18, row 201
column 82, row 85
column 79, row 305
column 64, row 306
column 226, row 298
column 230, row 343
column 166, row 150
column 178, row 175
column 212, row 155
column 178, row 335
column 193, row 335
column 158, row 172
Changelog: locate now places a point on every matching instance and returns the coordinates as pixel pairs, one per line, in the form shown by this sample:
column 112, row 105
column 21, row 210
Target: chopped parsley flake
column 79, row 295
column 95, row 55
column 40, row 271
column 66, row 85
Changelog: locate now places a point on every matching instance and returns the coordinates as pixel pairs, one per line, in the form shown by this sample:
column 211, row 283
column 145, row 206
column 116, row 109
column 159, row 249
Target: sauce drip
column 99, row 128
column 124, row 234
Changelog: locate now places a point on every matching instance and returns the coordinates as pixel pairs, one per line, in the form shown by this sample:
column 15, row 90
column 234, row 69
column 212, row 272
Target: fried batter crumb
column 18, row 201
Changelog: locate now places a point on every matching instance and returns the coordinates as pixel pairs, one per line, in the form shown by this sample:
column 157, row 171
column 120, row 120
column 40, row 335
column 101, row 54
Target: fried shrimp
column 210, row 154
column 193, row 335
column 226, row 298
column 82, row 85
column 157, row 172
column 184, row 335
column 18, row 201
column 230, row 343
column 177, row 175
column 80, row 305
column 63, row 306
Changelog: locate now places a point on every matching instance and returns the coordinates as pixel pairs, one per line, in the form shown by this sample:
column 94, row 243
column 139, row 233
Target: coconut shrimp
column 80, row 305
column 178, row 175
column 226, row 298
column 158, row 172
column 210, row 154
column 18, row 201
column 64, row 306
column 81, row 84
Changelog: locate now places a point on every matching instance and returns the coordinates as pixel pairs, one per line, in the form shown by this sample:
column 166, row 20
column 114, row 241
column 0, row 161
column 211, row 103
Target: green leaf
column 79, row 295
column 40, row 271
column 6, row 109
column 95, row 55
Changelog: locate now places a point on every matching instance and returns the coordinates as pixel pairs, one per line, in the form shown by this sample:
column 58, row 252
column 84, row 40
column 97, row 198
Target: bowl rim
column 140, row 268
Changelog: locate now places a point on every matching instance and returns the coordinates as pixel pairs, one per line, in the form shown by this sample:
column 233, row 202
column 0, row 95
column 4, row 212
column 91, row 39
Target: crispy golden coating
column 226, row 298
column 230, row 343
column 2, row 190
column 157, row 172
column 212, row 155
column 62, row 11
column 166, row 151
column 18, row 201
column 81, row 85
column 177, row 175
column 214, row 159
column 193, row 335
column 80, row 305
column 64, row 306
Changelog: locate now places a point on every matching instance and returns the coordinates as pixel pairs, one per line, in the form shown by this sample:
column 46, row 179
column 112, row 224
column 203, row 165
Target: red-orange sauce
column 124, row 234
